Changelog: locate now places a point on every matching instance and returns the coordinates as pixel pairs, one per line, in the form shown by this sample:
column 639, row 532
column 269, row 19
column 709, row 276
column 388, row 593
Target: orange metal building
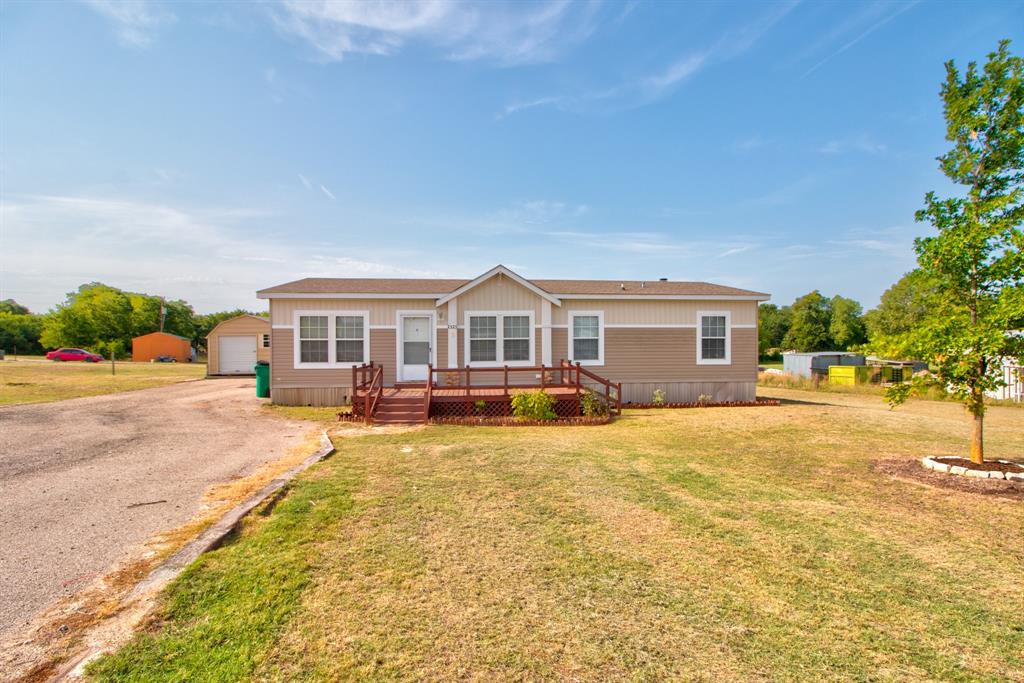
column 155, row 344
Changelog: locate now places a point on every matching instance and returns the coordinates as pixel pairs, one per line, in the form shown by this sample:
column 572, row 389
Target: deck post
column 468, row 381
column 618, row 398
column 542, row 377
column 506, row 381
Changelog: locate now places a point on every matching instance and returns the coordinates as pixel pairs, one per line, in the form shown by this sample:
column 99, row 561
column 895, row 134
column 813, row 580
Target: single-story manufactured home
column 235, row 345
column 692, row 340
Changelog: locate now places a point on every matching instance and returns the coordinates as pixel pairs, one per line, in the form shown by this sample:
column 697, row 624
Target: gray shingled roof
column 440, row 287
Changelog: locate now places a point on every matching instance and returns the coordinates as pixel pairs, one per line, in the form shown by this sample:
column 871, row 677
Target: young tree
column 902, row 308
column 846, row 326
column 976, row 258
column 811, row 317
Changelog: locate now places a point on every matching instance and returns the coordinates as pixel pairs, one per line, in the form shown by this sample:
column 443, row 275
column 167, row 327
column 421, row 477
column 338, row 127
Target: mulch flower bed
column 906, row 469
column 696, row 404
column 516, row 422
column 991, row 469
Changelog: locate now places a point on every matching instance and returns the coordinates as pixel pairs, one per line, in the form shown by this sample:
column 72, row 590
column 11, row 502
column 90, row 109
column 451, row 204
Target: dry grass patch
column 734, row 544
column 33, row 381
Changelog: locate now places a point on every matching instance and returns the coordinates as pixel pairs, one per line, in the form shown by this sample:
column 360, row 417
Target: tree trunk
column 978, row 442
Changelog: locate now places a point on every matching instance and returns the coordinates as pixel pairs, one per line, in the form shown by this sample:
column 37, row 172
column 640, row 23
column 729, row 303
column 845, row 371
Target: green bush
column 533, row 405
column 658, row 398
column 592, row 404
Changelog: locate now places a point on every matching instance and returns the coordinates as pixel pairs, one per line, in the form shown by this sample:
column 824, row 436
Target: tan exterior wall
column 655, row 312
column 382, row 311
column 237, row 327
column 500, row 293
column 283, row 374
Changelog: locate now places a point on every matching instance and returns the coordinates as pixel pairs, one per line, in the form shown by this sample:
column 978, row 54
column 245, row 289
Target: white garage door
column 237, row 355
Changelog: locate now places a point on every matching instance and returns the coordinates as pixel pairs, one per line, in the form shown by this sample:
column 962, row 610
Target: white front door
column 414, row 350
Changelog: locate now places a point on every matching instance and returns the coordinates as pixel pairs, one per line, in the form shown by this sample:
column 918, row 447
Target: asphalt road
column 74, row 473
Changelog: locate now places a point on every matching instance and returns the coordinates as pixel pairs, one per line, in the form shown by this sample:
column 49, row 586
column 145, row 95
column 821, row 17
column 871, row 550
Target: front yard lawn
column 702, row 544
column 37, row 381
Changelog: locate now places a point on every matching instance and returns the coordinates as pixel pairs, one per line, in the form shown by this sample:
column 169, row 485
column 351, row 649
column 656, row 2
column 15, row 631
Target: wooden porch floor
column 460, row 393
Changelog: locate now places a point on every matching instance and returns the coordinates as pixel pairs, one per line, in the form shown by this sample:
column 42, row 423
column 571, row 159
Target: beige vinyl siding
column 382, row 311
column 284, row 374
column 655, row 312
column 665, row 355
column 441, row 352
column 236, row 327
column 500, row 293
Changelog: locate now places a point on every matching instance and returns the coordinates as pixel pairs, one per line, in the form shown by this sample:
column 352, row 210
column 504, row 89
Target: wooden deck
column 452, row 392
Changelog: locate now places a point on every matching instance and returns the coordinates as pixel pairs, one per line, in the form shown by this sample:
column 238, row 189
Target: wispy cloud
column 136, row 21
column 749, row 144
column 507, row 34
column 327, row 192
column 870, row 12
column 644, row 89
column 515, row 107
column 214, row 257
column 305, row 181
column 861, row 143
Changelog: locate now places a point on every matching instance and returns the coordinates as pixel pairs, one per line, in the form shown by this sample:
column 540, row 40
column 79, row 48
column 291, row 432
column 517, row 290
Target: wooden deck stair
column 398, row 406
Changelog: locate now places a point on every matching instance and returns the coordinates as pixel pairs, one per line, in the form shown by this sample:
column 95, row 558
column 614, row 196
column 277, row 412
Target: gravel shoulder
column 85, row 482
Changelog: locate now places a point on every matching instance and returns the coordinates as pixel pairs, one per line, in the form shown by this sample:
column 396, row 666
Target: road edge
column 209, row 539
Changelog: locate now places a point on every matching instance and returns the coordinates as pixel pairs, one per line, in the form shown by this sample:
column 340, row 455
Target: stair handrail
column 428, row 393
column 373, row 393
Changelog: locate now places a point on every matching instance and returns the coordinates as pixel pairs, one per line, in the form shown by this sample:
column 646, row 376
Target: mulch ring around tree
column 911, row 470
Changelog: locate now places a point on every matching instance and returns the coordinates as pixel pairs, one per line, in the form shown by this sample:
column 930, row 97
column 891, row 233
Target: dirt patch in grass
column 911, row 470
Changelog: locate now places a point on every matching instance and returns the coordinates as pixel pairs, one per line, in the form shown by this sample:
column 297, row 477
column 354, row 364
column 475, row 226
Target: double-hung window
column 586, row 337
column 499, row 338
column 313, row 343
column 516, row 337
column 483, row 338
column 327, row 339
column 348, row 338
column 713, row 338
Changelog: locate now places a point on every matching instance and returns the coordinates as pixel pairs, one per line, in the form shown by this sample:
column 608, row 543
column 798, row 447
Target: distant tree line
column 818, row 323
column 103, row 319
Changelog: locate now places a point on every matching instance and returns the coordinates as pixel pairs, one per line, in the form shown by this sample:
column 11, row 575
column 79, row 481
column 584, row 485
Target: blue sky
column 203, row 151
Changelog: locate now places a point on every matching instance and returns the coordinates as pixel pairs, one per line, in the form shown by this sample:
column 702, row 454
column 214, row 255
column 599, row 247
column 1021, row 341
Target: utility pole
column 163, row 313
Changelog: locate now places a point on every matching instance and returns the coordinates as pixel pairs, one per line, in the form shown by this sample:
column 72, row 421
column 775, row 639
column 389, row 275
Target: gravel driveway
column 73, row 473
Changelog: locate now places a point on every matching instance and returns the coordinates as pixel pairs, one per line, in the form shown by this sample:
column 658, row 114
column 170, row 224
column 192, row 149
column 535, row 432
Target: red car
column 74, row 354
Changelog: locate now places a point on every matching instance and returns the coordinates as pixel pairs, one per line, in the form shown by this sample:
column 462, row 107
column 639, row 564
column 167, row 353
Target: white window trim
column 264, row 340
column 728, row 338
column 500, row 340
column 400, row 337
column 332, row 347
column 600, row 337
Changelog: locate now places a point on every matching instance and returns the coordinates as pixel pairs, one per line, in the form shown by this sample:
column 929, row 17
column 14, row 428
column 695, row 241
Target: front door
column 415, row 347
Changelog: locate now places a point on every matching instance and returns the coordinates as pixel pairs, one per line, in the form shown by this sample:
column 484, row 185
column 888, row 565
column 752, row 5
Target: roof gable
column 500, row 270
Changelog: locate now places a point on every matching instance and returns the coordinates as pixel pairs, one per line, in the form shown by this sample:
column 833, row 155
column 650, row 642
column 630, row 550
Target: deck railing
column 565, row 374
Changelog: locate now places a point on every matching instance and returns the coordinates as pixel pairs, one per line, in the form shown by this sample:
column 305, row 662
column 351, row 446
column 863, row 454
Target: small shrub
column 703, row 398
column 592, row 405
column 480, row 407
column 533, row 405
column 658, row 398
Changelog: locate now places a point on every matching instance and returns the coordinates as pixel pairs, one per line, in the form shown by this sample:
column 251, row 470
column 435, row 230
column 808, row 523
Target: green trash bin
column 263, row 379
